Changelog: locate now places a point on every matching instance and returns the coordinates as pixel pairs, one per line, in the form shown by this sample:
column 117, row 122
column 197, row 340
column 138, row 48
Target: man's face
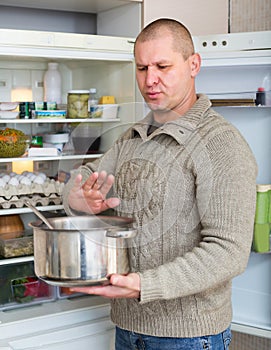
column 165, row 79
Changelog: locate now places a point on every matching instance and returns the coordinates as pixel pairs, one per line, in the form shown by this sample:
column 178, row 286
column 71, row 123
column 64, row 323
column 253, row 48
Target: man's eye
column 162, row 67
column 141, row 68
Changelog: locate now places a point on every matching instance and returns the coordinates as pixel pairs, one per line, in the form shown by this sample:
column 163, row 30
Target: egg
column 6, row 178
column 38, row 180
column 32, row 177
column 25, row 181
column 13, row 181
column 28, row 174
column 2, row 183
column 42, row 175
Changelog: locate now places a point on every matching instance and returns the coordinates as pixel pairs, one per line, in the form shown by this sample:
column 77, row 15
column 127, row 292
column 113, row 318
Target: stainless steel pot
column 81, row 250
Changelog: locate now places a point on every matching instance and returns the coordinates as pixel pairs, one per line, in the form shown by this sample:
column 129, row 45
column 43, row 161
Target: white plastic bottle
column 52, row 83
column 92, row 102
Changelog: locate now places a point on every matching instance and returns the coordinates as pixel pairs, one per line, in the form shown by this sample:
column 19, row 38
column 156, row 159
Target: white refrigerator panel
column 228, row 72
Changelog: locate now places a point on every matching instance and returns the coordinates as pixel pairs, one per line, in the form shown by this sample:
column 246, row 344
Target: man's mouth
column 153, row 95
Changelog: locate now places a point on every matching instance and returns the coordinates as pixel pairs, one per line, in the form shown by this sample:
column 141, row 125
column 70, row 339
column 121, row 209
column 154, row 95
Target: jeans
column 126, row 340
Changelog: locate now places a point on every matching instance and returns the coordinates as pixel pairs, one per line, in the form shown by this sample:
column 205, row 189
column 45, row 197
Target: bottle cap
column 261, row 89
column 53, row 64
column 92, row 91
column 263, row 188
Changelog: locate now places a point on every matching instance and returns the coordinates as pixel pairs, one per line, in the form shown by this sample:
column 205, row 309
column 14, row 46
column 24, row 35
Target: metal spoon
column 39, row 214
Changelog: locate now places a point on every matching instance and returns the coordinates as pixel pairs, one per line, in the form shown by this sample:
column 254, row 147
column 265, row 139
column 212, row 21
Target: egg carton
column 48, row 187
column 35, row 200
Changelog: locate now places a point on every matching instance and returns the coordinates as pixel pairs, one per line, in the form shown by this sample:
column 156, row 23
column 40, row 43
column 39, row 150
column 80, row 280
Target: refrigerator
column 233, row 67
column 57, row 319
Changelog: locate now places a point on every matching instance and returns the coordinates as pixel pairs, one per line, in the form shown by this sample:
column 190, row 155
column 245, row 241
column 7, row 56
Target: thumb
column 130, row 281
column 77, row 182
column 112, row 202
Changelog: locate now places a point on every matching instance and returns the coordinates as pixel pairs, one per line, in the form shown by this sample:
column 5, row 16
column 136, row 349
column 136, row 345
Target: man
column 187, row 177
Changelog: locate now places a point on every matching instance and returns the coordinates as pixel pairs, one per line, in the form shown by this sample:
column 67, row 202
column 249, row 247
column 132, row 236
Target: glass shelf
column 56, row 120
column 16, row 260
column 60, row 157
column 23, row 210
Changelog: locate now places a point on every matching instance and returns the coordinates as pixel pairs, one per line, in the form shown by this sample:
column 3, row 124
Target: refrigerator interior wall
column 251, row 290
column 103, row 17
column 45, row 19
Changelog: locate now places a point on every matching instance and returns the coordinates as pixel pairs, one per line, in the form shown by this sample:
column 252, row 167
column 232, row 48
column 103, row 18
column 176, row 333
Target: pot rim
column 122, row 223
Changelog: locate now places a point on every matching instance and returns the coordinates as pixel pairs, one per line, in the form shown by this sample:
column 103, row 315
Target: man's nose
column 151, row 77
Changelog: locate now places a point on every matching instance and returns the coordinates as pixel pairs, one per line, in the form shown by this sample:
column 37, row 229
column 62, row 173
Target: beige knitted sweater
column 190, row 187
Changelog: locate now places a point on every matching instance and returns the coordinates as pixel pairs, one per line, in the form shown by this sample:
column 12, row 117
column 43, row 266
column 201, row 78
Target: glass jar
column 77, row 104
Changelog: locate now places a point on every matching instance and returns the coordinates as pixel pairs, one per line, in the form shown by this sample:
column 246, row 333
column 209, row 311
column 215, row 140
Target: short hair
column 182, row 39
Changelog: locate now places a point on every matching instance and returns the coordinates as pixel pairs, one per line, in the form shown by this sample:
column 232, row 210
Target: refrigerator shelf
column 60, row 157
column 58, row 120
column 27, row 210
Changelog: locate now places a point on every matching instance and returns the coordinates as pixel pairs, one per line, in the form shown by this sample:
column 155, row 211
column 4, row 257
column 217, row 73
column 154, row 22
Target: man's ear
column 195, row 63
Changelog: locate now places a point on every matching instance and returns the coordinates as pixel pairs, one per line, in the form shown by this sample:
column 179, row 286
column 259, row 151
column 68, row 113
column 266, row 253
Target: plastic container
column 261, row 237
column 20, row 246
column 62, row 137
column 106, row 111
column 27, row 289
column 52, row 83
column 92, row 102
column 77, row 104
column 20, row 287
column 50, row 114
column 262, row 204
column 56, row 140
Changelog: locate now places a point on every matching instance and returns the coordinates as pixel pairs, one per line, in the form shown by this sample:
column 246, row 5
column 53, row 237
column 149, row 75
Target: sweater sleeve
column 227, row 218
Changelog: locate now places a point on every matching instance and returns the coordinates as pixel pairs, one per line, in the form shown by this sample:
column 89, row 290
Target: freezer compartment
column 20, row 287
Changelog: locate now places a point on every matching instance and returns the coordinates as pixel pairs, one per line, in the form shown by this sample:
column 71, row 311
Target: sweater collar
column 180, row 128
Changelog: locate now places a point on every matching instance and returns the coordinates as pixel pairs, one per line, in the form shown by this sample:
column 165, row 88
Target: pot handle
column 117, row 233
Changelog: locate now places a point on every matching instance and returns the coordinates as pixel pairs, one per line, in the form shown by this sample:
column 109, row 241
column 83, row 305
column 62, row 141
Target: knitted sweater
column 191, row 188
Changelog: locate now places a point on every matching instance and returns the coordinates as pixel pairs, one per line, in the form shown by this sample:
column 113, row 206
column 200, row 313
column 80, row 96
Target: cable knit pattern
column 191, row 188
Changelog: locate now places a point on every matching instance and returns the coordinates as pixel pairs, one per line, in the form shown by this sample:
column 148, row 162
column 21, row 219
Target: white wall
column 201, row 17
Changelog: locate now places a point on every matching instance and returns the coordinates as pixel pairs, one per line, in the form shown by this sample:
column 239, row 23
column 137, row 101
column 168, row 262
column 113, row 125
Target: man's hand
column 91, row 196
column 120, row 287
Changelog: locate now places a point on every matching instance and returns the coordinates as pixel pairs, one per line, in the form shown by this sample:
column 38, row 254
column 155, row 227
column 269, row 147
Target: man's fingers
column 130, row 281
column 99, row 182
column 107, row 184
column 111, row 203
column 77, row 182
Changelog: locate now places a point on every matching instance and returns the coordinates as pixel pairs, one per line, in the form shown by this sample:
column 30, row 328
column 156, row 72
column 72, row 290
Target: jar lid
column 263, row 188
column 78, row 92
